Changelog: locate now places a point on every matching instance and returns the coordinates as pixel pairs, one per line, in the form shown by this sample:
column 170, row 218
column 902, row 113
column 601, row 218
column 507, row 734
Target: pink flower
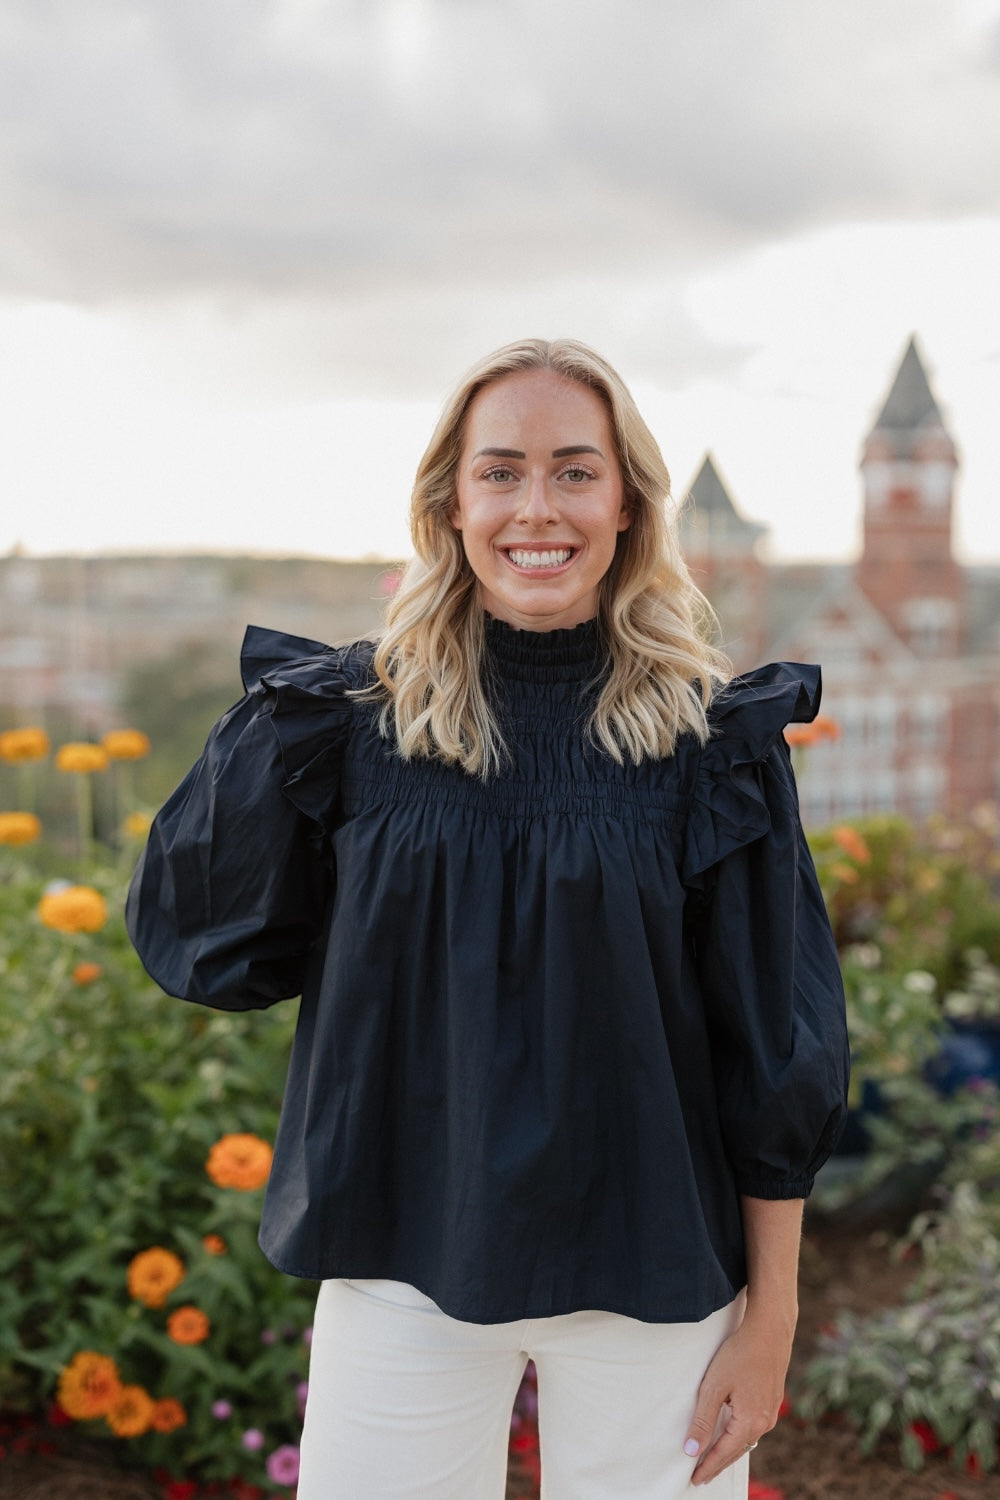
column 253, row 1440
column 283, row 1465
column 221, row 1410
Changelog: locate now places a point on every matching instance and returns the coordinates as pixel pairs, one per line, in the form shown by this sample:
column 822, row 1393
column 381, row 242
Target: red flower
column 974, row 1466
column 758, row 1491
column 785, row 1409
column 926, row 1437
column 180, row 1489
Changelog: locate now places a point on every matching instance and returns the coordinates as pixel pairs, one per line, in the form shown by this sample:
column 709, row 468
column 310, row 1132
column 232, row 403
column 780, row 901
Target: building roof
column 910, row 403
column 709, row 511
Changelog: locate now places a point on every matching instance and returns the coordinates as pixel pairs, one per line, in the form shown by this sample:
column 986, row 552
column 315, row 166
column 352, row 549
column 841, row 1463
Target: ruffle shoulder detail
column 307, row 684
column 729, row 800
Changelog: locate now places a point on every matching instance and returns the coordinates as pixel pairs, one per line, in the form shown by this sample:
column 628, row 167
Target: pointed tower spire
column 720, row 546
column 910, row 404
column 711, row 518
column 908, row 466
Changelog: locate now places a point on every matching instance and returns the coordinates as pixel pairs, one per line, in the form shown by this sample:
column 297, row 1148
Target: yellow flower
column 19, row 828
column 188, row 1325
column 73, row 908
column 79, row 755
column 239, row 1161
column 126, row 744
column 24, row 744
column 88, row 1385
column 153, row 1274
column 137, row 825
column 168, row 1415
column 131, row 1412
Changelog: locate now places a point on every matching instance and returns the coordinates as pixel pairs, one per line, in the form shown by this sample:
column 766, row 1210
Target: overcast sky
column 246, row 246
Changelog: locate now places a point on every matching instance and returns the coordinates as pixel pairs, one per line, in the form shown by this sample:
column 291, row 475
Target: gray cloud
column 369, row 192
column 330, row 147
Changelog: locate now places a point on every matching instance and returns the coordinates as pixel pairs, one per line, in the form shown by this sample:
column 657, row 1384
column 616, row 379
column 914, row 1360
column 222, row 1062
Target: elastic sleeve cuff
column 776, row 1187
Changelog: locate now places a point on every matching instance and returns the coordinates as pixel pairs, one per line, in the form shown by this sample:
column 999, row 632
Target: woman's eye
column 500, row 473
column 576, row 474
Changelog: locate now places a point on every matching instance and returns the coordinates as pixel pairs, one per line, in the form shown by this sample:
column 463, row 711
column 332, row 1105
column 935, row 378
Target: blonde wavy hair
column 653, row 621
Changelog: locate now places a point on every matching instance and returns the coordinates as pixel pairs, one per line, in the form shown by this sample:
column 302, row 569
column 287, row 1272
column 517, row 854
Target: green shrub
column 926, row 1373
column 924, row 894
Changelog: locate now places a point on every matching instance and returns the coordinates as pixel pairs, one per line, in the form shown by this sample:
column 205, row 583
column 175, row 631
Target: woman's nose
column 537, row 502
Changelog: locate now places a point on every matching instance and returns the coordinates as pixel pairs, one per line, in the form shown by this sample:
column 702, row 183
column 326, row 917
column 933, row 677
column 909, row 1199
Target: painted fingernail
column 692, row 1448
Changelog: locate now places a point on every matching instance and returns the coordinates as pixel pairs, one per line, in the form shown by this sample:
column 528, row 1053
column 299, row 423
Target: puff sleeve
column 765, row 954
column 230, row 894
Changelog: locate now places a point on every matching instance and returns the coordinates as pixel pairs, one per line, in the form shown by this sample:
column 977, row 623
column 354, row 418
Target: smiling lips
column 527, row 561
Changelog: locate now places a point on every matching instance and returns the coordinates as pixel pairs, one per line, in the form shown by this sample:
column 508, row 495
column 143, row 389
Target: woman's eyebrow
column 556, row 452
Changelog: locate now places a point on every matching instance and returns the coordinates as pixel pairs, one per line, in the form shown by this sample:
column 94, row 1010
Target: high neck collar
column 573, row 655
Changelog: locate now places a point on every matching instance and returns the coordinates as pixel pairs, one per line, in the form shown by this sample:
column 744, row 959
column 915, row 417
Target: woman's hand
column 747, row 1373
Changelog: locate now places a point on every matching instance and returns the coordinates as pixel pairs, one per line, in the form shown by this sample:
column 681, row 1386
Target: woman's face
column 540, row 499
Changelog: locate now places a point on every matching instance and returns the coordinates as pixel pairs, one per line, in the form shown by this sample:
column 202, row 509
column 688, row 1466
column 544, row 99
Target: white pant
column 406, row 1403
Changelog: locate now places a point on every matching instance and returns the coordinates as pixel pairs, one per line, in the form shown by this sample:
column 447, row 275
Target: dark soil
column 841, row 1270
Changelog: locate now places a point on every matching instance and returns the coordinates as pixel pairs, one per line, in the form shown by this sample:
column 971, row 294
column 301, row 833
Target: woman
column 571, row 1043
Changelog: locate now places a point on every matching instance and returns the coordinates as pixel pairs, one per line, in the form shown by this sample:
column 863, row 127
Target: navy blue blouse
column 553, row 1023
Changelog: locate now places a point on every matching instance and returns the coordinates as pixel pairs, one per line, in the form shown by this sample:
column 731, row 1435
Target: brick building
column 909, row 641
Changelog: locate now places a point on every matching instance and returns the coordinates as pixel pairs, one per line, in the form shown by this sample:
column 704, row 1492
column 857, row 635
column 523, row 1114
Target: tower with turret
column 908, row 466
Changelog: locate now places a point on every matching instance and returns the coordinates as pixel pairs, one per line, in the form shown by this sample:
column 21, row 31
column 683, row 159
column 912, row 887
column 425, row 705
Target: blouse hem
column 682, row 1312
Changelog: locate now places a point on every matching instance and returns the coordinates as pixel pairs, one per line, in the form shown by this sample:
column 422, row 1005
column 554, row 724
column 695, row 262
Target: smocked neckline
column 574, row 654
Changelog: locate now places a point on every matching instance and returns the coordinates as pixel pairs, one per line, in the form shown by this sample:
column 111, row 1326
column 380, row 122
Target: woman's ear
column 627, row 512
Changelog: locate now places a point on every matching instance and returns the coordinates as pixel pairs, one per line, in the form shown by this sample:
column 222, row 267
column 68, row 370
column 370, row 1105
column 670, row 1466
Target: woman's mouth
column 532, row 559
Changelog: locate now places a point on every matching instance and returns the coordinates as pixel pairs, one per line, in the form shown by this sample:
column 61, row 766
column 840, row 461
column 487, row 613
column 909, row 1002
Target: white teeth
column 551, row 559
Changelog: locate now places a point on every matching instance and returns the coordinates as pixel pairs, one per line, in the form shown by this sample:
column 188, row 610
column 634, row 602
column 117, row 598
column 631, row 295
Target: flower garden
column 140, row 1325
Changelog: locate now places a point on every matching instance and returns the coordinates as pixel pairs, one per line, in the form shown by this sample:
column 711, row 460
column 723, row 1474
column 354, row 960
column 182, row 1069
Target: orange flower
column 86, row 973
column 214, row 1244
column 79, row 755
column 168, row 1415
column 131, row 1413
column 19, row 828
column 73, row 908
column 126, row 744
column 24, row 744
column 153, row 1274
column 846, row 874
column 239, row 1161
column 88, row 1385
column 188, row 1325
column 821, row 728
column 853, row 845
